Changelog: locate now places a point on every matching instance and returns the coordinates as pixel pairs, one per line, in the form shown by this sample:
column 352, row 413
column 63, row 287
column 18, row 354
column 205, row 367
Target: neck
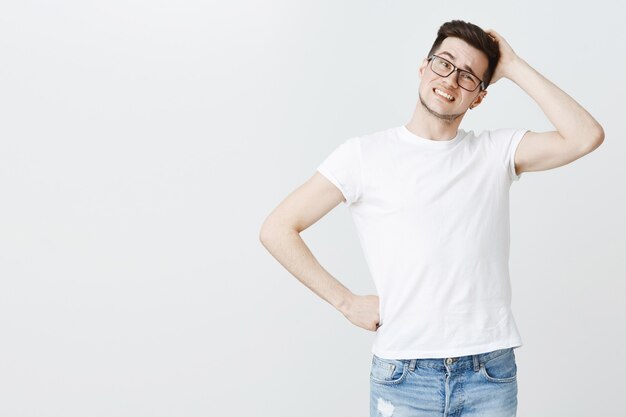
column 428, row 124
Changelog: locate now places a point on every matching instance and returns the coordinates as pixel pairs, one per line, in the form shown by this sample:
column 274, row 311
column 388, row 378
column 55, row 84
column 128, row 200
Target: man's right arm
column 280, row 234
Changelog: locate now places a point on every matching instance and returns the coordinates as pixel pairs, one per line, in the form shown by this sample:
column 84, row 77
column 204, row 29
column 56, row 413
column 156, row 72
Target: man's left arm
column 577, row 132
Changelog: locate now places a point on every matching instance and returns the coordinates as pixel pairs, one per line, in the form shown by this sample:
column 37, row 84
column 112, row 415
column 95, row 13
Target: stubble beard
column 446, row 118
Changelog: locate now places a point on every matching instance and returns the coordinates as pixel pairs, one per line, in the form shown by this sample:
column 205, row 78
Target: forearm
column 569, row 118
column 289, row 249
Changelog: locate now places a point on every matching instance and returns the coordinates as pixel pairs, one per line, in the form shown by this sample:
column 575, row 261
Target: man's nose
column 452, row 79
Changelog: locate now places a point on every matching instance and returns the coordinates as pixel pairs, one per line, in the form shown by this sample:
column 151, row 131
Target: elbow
column 600, row 136
column 596, row 139
column 265, row 233
column 272, row 230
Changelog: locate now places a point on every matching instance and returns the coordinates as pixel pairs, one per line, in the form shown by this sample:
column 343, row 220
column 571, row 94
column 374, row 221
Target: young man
column 431, row 206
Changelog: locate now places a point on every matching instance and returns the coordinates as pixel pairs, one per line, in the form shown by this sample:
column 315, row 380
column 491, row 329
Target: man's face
column 463, row 56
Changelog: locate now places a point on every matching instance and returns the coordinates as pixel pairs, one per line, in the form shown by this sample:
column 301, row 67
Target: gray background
column 143, row 143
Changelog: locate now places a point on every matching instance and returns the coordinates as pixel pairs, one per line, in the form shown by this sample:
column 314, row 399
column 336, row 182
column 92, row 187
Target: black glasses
column 465, row 79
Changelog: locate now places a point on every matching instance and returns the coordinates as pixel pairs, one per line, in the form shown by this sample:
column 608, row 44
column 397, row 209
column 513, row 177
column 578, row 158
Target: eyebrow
column 468, row 68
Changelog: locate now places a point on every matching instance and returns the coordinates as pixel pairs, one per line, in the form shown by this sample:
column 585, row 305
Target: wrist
column 516, row 68
column 346, row 302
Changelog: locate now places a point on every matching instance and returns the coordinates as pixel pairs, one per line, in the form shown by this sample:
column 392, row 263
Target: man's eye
column 468, row 77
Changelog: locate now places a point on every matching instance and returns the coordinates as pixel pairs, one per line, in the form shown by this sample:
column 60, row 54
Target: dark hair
column 474, row 36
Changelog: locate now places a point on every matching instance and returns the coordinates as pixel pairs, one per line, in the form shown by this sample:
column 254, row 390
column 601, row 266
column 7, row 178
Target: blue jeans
column 483, row 385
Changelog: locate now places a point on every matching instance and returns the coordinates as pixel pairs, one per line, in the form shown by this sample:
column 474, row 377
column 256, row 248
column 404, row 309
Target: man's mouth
column 443, row 94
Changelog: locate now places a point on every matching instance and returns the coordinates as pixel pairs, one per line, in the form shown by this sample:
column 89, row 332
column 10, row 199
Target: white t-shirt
column 433, row 221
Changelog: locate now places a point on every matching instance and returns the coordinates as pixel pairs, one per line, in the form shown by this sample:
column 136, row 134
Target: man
column 431, row 206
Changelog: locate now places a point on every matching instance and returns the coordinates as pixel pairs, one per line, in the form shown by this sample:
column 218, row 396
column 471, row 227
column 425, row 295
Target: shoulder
column 502, row 137
column 374, row 142
column 501, row 133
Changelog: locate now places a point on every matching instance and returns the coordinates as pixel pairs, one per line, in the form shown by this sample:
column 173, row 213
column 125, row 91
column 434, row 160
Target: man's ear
column 422, row 67
column 478, row 99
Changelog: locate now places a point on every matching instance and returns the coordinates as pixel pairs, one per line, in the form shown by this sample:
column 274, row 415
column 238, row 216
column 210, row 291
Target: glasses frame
column 458, row 71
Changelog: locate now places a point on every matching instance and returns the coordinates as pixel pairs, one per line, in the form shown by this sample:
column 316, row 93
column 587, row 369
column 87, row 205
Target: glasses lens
column 441, row 67
column 468, row 80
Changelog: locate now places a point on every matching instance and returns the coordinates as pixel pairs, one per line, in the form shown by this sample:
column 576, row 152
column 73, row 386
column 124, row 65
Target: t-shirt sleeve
column 506, row 142
column 343, row 168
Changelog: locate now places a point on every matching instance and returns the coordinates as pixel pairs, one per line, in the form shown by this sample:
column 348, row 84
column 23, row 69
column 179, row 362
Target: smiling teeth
column 441, row 93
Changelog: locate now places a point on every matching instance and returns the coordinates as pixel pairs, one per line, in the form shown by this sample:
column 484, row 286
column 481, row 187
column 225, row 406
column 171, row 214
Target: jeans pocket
column 388, row 371
column 502, row 368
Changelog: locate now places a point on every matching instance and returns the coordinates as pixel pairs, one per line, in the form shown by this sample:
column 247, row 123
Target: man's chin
column 448, row 118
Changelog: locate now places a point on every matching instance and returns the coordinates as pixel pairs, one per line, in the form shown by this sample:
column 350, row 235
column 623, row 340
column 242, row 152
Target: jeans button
column 449, row 361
